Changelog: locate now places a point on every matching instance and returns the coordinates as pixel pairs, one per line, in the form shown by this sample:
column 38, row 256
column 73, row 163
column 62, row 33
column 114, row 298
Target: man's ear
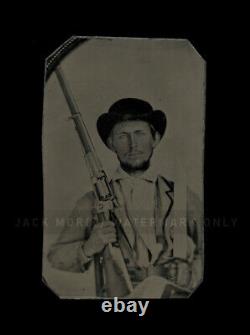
column 110, row 143
column 157, row 139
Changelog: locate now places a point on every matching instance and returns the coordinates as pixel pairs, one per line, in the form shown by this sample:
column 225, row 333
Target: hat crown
column 131, row 106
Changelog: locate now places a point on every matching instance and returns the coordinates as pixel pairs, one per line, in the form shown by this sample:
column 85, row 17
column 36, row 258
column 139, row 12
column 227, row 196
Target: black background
column 218, row 298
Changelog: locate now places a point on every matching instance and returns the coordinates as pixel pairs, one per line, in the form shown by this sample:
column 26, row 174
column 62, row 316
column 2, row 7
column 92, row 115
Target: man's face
column 133, row 143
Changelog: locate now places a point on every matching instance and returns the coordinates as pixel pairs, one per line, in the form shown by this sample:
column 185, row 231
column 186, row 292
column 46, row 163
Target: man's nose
column 132, row 141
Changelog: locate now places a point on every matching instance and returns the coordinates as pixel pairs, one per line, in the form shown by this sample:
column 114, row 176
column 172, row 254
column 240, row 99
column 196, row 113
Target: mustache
column 134, row 152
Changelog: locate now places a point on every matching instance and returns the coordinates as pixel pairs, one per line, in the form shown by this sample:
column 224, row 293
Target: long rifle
column 111, row 260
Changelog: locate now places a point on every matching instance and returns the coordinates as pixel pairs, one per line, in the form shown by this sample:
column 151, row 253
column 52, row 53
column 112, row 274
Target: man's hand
column 102, row 234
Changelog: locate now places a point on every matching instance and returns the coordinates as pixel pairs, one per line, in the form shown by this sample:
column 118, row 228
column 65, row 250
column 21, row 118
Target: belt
column 168, row 270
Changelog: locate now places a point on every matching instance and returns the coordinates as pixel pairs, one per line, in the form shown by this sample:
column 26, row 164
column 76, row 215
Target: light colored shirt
column 139, row 201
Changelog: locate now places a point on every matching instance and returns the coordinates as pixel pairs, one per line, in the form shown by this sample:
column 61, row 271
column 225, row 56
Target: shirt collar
column 149, row 175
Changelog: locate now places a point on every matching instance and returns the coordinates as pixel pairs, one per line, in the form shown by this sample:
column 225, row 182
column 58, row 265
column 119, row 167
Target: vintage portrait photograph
column 123, row 162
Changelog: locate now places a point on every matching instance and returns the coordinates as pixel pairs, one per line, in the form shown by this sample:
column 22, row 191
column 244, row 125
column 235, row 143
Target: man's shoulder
column 193, row 198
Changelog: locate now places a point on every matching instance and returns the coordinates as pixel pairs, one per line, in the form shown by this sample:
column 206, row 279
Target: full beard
column 131, row 168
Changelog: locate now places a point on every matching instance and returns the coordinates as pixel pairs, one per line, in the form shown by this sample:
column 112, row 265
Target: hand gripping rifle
column 109, row 265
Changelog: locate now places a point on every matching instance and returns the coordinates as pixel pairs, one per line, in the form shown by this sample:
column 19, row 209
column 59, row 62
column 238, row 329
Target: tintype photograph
column 123, row 160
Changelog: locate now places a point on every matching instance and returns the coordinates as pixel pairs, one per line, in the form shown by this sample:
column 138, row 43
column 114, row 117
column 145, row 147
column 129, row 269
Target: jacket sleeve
column 67, row 252
column 195, row 229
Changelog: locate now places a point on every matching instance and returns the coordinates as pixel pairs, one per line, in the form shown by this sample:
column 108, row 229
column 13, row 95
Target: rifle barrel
column 75, row 114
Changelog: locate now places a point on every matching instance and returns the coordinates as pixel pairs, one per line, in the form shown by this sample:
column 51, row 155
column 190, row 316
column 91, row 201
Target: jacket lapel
column 164, row 203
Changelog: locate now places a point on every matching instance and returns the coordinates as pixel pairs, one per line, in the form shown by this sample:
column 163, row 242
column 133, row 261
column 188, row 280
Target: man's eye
column 122, row 136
